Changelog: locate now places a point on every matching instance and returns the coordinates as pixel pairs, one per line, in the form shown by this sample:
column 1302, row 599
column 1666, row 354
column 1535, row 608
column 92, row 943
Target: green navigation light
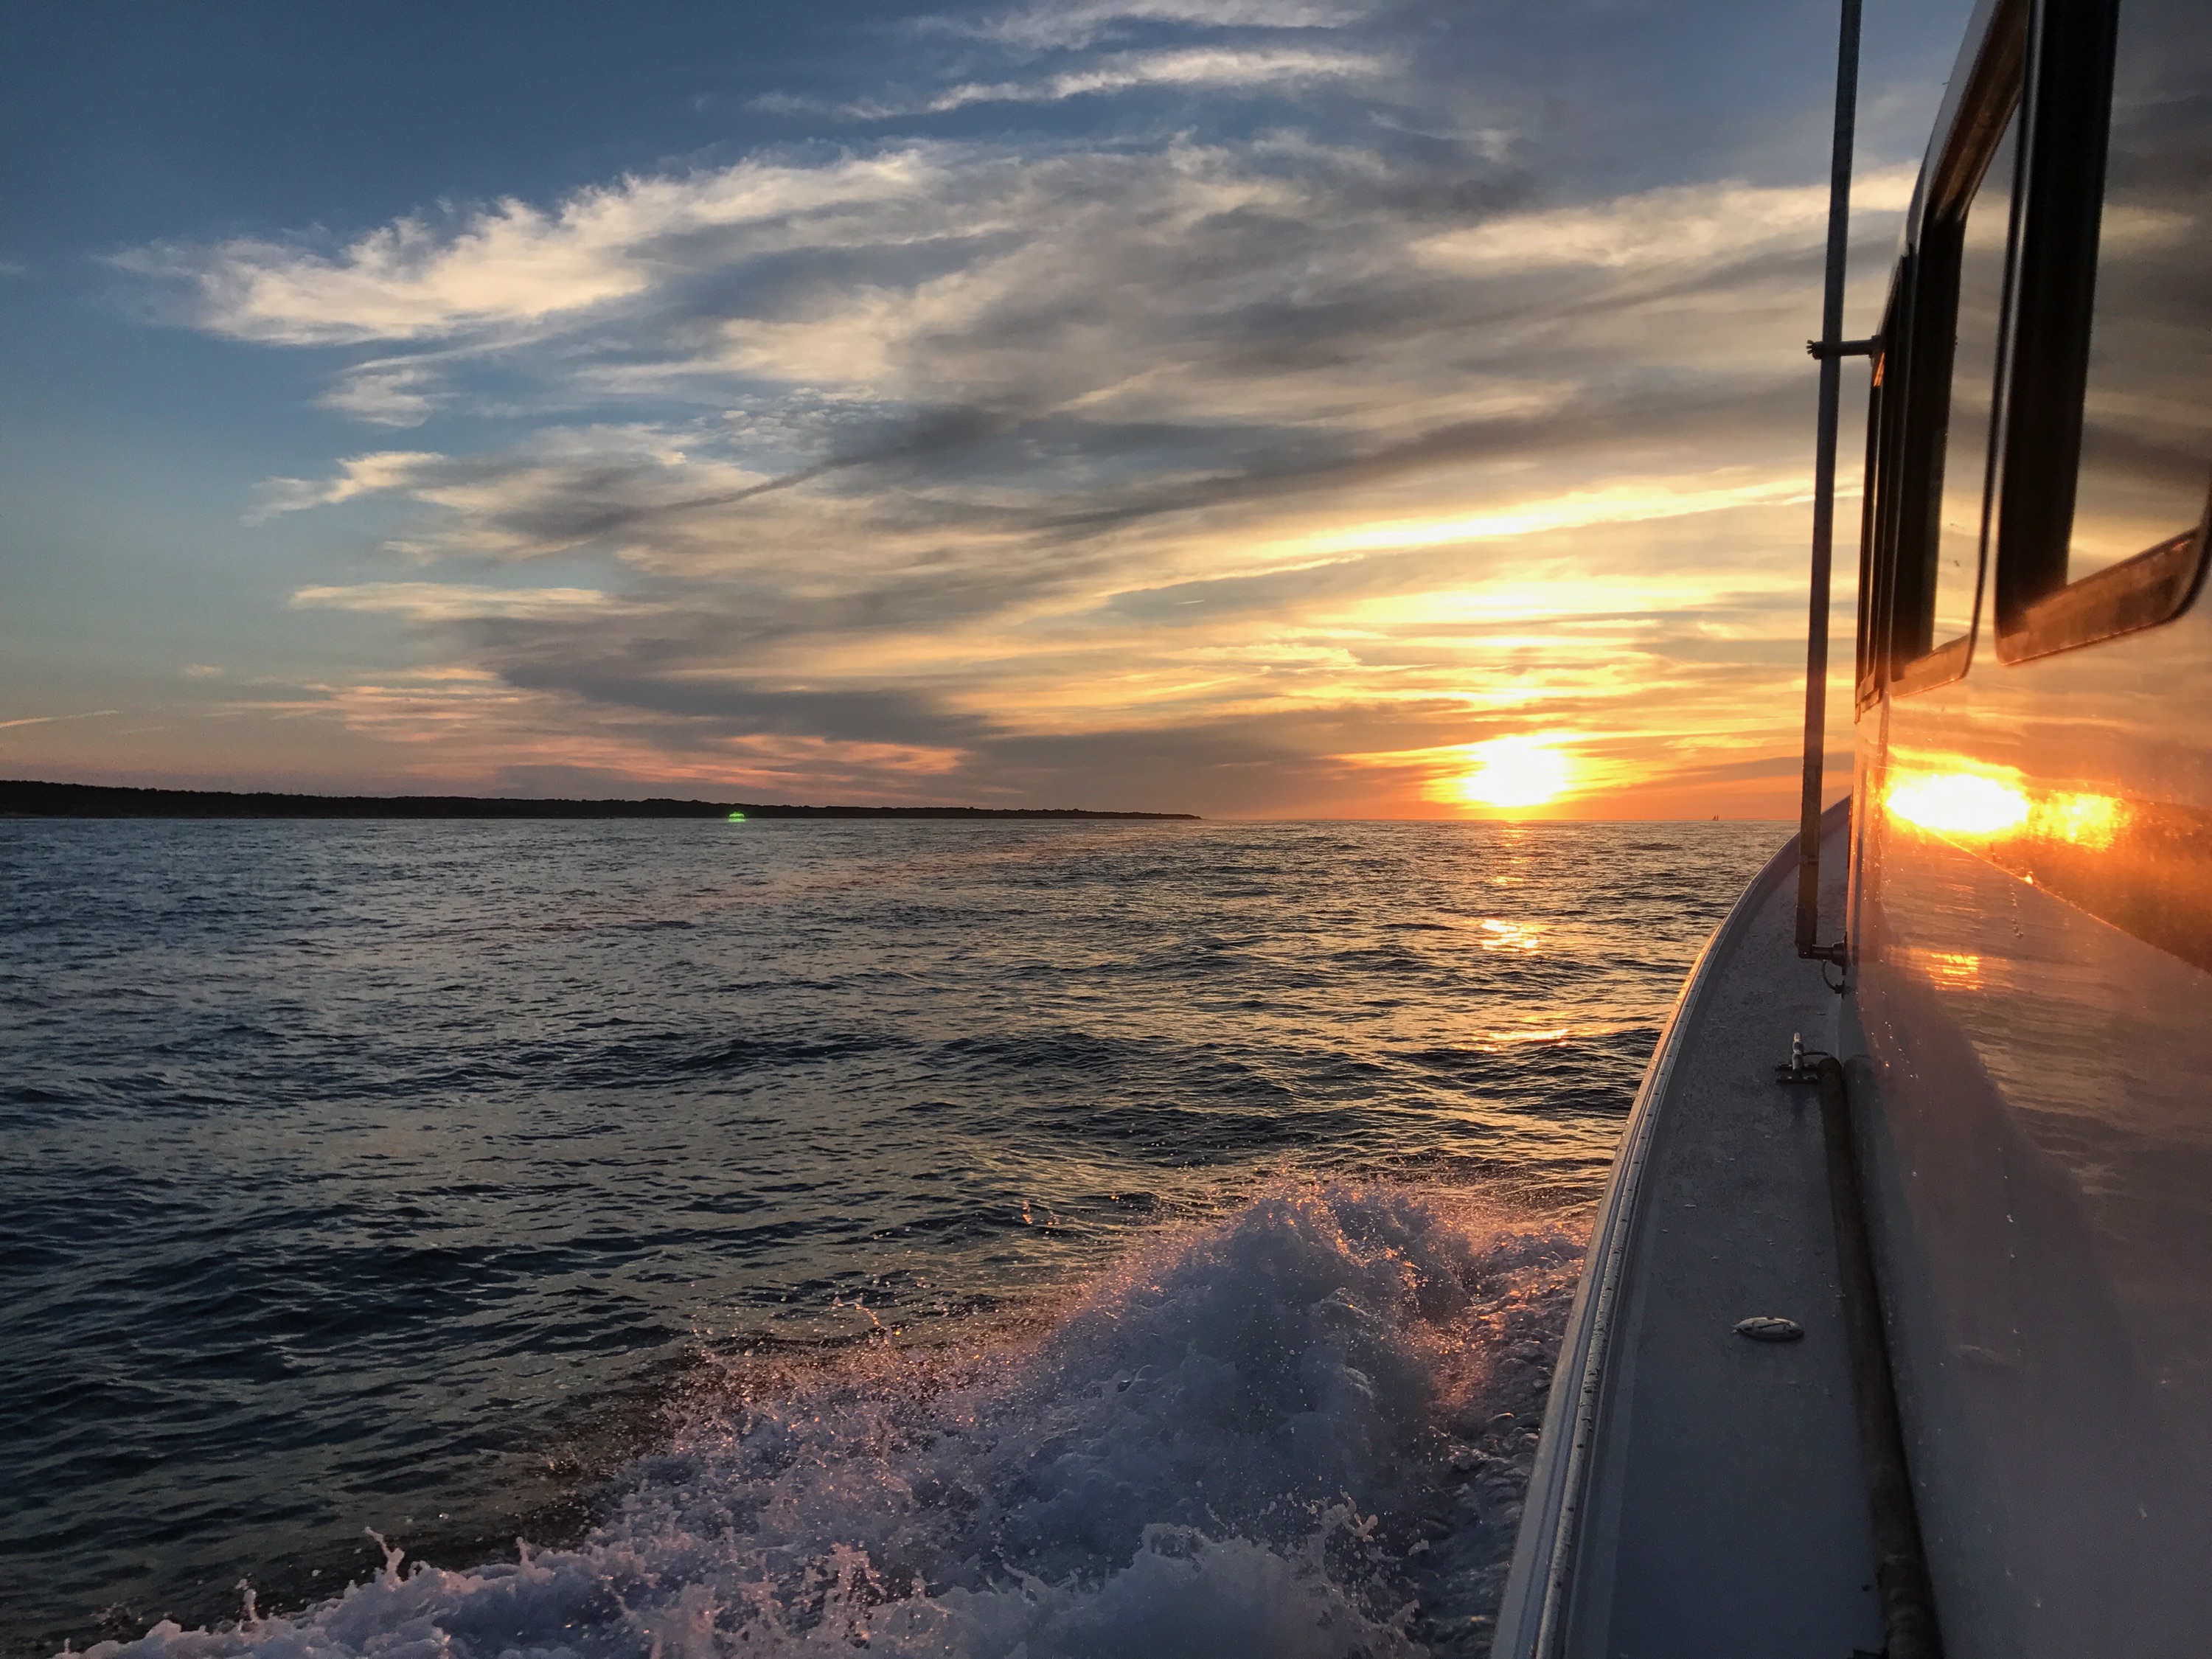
column 736, row 818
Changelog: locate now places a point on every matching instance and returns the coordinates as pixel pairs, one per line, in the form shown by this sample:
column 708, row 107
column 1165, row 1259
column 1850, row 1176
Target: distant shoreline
column 20, row 798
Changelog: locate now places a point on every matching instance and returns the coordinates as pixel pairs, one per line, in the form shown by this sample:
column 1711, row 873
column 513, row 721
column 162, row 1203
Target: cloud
column 1211, row 69
column 453, row 602
column 511, row 264
column 364, row 475
column 1286, row 461
column 1638, row 502
column 48, row 720
column 1081, row 22
column 385, row 394
column 565, row 488
column 1692, row 225
column 1264, row 284
column 202, row 671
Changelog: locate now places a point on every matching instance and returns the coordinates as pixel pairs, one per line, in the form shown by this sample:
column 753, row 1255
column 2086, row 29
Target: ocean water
column 687, row 1239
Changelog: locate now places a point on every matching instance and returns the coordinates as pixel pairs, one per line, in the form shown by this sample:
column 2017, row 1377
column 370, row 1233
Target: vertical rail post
column 1829, row 350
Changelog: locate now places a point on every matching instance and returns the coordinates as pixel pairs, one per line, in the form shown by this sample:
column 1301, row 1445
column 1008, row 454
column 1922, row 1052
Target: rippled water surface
column 1066, row 1238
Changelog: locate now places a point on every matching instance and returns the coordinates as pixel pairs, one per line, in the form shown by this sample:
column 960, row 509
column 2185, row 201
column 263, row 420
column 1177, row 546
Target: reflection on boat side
column 2026, row 1124
column 1974, row 804
column 2144, row 866
column 1957, row 970
column 2032, row 1078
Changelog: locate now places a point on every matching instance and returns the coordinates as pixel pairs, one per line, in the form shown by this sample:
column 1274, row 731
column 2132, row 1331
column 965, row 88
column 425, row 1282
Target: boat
column 1894, row 1334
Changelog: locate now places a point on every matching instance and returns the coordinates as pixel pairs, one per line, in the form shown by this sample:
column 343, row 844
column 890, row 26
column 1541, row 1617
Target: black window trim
column 1866, row 677
column 1877, row 499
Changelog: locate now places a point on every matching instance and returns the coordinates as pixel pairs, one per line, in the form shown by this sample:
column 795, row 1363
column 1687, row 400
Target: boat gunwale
column 1531, row 1613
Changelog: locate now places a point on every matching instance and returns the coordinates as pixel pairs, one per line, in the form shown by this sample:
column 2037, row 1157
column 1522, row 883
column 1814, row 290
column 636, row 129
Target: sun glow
column 1514, row 772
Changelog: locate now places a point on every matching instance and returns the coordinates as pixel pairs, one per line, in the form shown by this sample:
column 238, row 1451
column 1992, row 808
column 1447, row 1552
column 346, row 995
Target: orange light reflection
column 1955, row 968
column 1511, row 935
column 1958, row 804
column 1976, row 805
column 2085, row 820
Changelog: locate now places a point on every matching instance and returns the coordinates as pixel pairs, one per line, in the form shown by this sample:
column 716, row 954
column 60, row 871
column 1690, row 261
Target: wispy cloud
column 364, row 475
column 386, row 394
column 1081, row 22
column 1640, row 502
column 513, row 263
column 1216, row 69
column 453, row 601
column 1691, row 226
column 48, row 720
column 1289, row 460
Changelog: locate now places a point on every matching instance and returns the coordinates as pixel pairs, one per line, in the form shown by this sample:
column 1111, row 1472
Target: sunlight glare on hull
column 1974, row 806
column 1957, row 803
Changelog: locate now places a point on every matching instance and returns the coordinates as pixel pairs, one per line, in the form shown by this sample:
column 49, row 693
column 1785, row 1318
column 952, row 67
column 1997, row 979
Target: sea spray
column 445, row 1153
column 1300, row 1431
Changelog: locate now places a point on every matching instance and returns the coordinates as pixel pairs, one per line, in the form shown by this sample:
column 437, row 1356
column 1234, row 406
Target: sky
column 1257, row 408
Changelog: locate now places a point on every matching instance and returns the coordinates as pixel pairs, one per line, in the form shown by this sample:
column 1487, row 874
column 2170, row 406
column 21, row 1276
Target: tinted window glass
column 1973, row 385
column 2147, row 420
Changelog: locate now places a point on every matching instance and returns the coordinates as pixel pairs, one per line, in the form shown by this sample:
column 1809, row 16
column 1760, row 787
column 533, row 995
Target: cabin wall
column 2028, row 1038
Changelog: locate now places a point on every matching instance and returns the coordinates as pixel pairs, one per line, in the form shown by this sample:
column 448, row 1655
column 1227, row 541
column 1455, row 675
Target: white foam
column 1273, row 1434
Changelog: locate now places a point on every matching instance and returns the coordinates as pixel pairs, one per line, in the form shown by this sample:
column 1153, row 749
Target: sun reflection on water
column 1556, row 1034
column 1511, row 935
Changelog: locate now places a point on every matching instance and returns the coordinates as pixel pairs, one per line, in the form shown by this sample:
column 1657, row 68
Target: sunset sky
column 1250, row 409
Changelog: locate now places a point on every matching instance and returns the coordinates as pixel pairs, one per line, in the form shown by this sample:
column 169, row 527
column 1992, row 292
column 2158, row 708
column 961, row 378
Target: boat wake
column 1301, row 1431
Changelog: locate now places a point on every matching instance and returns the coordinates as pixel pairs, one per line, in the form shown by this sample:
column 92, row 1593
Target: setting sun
column 1514, row 772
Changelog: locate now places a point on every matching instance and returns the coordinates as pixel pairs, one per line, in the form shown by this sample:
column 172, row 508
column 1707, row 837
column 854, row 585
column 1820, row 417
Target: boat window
column 2119, row 423
column 1943, row 369
column 2147, row 412
column 1963, row 463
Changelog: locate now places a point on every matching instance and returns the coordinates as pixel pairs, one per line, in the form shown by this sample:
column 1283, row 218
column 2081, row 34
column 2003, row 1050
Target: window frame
column 1909, row 415
column 1877, row 499
column 2038, row 612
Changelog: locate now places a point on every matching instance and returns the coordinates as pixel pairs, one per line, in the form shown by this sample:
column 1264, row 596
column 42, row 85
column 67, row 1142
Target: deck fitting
column 1803, row 1065
column 1769, row 1327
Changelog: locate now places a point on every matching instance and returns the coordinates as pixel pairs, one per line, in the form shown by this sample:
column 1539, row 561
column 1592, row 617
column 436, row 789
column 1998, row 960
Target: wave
column 1300, row 1430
